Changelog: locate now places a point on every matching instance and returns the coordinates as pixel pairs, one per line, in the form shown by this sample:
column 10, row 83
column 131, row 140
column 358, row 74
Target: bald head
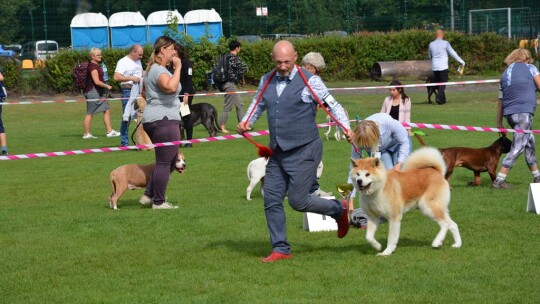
column 284, row 57
column 136, row 52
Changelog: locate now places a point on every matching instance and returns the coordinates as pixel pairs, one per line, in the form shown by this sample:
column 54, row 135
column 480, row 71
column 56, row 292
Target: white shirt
column 128, row 67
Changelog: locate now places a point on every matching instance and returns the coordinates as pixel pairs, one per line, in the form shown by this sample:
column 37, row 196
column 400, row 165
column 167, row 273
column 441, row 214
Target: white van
column 39, row 50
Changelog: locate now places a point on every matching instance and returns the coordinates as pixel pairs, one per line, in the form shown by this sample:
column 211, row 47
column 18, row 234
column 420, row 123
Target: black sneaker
column 4, row 152
column 536, row 179
column 188, row 145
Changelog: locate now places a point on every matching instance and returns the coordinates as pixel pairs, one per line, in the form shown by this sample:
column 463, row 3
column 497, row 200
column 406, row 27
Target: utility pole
column 44, row 20
column 452, row 15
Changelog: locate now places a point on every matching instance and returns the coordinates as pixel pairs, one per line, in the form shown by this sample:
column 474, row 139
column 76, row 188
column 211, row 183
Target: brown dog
column 135, row 176
column 477, row 160
column 141, row 138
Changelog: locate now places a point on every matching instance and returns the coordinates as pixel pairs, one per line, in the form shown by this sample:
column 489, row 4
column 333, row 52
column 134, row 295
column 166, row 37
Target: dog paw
column 472, row 184
column 385, row 253
column 456, row 245
column 436, row 245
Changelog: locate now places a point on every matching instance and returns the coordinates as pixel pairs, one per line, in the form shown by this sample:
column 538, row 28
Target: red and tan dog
column 389, row 194
column 475, row 159
column 135, row 176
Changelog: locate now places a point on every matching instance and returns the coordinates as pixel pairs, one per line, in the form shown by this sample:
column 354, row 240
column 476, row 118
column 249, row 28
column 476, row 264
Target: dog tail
column 214, row 118
column 426, row 157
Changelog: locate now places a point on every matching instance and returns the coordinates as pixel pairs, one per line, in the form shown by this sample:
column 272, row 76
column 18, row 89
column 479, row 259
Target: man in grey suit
column 297, row 147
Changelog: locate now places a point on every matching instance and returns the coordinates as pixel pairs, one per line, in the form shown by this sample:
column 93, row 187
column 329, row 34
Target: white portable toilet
column 89, row 30
column 127, row 29
column 157, row 23
column 200, row 22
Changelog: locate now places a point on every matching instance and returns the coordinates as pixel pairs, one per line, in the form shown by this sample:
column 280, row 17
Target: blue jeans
column 124, row 125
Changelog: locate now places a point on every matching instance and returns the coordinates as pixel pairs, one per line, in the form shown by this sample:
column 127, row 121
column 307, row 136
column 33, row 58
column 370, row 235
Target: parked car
column 39, row 50
column 249, row 38
column 6, row 53
column 283, row 36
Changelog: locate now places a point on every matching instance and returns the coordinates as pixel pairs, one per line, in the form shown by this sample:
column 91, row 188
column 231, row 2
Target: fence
column 50, row 19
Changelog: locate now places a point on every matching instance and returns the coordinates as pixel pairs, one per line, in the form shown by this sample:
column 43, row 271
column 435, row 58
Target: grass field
column 60, row 243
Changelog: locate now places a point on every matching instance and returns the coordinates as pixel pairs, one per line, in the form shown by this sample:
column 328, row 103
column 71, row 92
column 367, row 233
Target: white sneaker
column 145, row 200
column 113, row 133
column 165, row 205
column 322, row 193
column 88, row 136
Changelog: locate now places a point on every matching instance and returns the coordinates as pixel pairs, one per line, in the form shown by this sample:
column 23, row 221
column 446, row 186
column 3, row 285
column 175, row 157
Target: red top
column 90, row 83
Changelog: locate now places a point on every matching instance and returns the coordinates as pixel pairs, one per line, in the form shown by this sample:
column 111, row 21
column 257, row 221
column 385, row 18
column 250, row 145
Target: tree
column 9, row 29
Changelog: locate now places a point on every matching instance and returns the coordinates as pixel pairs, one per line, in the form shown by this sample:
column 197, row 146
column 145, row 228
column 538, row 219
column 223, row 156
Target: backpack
column 80, row 75
column 220, row 70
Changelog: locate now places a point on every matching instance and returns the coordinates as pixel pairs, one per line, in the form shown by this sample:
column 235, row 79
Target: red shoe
column 343, row 221
column 276, row 256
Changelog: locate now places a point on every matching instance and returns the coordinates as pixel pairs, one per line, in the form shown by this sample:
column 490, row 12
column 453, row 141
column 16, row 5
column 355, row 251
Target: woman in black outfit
column 186, row 80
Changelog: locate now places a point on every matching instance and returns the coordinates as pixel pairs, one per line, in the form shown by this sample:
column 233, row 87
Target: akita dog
column 389, row 194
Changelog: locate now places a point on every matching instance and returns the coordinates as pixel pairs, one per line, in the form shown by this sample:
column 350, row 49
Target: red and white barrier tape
column 236, row 136
column 29, row 102
column 135, row 147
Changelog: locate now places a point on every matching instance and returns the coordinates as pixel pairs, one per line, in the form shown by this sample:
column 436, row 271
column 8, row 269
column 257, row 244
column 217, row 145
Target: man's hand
column 349, row 135
column 135, row 79
column 242, row 127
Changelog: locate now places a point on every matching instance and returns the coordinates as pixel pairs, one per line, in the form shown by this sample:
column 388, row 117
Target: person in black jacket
column 186, row 81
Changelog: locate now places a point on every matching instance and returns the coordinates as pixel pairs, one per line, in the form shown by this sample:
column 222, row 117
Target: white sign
column 533, row 201
column 314, row 222
column 261, row 11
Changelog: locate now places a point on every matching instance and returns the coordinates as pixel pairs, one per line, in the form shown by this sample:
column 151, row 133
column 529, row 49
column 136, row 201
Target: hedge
column 347, row 58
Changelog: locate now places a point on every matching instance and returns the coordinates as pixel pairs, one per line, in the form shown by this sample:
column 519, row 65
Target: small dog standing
column 431, row 89
column 256, row 171
column 389, row 194
column 338, row 135
column 135, row 176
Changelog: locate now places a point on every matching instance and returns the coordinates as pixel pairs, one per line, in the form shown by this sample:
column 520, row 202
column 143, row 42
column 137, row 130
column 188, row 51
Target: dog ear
column 376, row 162
column 502, row 134
column 353, row 162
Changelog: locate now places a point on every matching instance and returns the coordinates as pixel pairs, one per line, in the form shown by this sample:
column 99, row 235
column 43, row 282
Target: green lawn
column 60, row 243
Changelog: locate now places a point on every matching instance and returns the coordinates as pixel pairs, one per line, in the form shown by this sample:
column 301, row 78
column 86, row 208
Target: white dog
column 338, row 134
column 256, row 170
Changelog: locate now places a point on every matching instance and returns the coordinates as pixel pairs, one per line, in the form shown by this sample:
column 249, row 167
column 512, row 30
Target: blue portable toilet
column 198, row 22
column 127, row 29
column 157, row 23
column 89, row 30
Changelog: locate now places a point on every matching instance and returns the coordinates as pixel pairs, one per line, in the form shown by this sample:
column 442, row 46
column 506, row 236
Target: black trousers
column 441, row 76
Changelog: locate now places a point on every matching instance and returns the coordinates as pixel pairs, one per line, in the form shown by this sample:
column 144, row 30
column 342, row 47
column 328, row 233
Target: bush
column 347, row 58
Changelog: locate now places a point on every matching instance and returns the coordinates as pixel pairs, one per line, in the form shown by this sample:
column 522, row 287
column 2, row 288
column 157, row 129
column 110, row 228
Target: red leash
column 267, row 152
column 322, row 105
column 262, row 151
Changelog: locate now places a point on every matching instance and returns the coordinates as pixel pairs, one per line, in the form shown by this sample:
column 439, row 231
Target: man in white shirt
column 128, row 73
column 438, row 53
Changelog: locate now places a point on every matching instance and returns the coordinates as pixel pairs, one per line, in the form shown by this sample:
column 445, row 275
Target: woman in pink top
column 398, row 105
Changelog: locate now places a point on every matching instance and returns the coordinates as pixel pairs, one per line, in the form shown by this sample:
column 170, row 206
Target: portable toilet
column 199, row 22
column 89, row 30
column 157, row 23
column 127, row 29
